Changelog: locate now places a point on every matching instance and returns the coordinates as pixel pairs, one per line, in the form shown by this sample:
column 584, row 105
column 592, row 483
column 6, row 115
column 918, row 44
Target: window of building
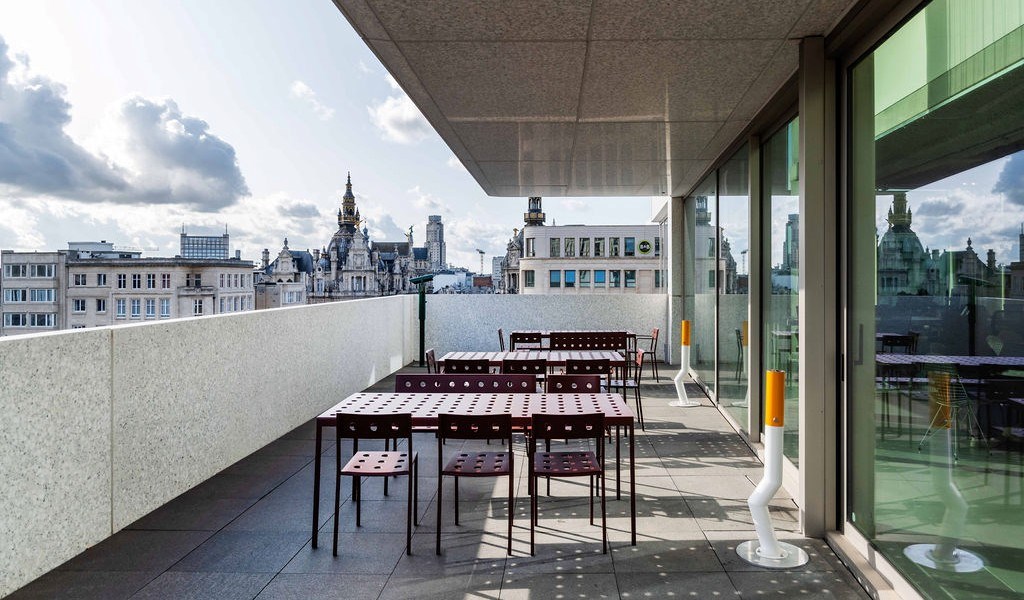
column 122, row 281
column 15, row 270
column 555, row 278
column 136, row 281
column 236, row 280
column 629, row 247
column 599, row 278
column 101, row 305
column 150, row 308
column 78, row 305
column 222, row 305
column 121, row 308
column 614, row 278
column 197, row 306
column 528, row 278
column 630, row 278
column 16, row 319
column 711, row 279
column 613, row 246
column 150, row 281
column 194, row 280
column 570, row 279
column 16, row 295
column 78, row 279
column 598, row 247
column 136, row 308
column 41, row 320
column 570, row 246
column 165, row 308
column 657, row 246
column 657, row 278
column 101, row 279
column 221, row 280
column 40, row 271
column 711, row 248
column 584, row 278
column 553, row 251
column 165, row 281
column 46, row 295
column 530, row 247
column 584, row 247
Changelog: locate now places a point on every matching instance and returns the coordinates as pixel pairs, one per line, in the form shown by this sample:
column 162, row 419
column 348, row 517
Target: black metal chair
column 633, row 384
column 366, row 463
column 473, row 463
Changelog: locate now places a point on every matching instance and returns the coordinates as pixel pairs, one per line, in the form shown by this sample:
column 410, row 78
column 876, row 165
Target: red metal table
column 555, row 358
column 426, row 406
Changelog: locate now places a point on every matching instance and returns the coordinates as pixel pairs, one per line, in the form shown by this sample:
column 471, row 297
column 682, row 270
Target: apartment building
column 592, row 259
column 92, row 284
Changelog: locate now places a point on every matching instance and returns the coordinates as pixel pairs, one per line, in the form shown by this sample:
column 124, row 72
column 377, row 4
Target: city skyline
column 126, row 122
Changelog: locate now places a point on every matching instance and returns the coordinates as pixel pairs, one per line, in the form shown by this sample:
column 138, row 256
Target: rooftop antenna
column 481, row 260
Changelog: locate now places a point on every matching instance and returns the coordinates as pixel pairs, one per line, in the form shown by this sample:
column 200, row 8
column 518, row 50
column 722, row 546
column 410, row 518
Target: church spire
column 348, row 216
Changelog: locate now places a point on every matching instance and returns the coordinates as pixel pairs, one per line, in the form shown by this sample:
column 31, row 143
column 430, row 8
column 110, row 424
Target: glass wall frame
column 944, row 490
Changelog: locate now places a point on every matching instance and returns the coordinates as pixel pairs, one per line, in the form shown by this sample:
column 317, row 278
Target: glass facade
column 733, row 294
column 701, row 214
column 936, row 299
column 781, row 267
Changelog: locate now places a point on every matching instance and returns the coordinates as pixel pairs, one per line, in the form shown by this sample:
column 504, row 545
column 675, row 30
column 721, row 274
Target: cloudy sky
column 125, row 121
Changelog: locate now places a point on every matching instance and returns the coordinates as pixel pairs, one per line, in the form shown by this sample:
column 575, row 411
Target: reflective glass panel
column 733, row 297
column 780, row 172
column 936, row 303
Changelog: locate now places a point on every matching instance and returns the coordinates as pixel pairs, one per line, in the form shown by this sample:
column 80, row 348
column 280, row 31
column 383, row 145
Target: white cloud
column 163, row 156
column 397, row 117
column 463, row 237
column 574, row 205
column 364, row 68
column 303, row 92
column 454, row 162
column 428, row 201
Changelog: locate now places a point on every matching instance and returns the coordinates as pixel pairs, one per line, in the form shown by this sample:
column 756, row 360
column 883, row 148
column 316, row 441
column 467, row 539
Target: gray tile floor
column 245, row 532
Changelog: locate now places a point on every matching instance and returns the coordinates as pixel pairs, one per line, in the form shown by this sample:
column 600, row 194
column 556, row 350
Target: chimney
column 266, row 258
column 991, row 260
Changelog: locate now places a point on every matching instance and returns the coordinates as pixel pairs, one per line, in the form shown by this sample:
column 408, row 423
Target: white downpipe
column 684, row 369
column 765, row 491
column 767, row 550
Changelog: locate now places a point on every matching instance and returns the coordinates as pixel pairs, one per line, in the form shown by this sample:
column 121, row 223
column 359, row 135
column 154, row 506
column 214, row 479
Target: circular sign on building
column 644, row 247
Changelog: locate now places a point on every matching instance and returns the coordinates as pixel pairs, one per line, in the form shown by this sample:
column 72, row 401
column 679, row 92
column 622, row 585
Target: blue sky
column 125, row 120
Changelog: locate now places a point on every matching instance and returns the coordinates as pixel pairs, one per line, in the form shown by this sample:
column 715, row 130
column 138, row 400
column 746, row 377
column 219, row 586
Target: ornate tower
column 900, row 217
column 348, row 216
column 534, row 215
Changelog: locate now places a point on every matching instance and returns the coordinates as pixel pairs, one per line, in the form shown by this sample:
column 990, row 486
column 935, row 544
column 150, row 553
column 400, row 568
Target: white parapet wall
column 101, row 426
column 471, row 322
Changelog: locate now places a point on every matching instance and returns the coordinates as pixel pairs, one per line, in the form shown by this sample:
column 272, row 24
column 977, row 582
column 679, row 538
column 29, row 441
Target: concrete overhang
column 589, row 97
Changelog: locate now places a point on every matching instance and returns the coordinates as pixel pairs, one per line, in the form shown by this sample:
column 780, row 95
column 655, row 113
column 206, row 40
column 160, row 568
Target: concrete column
column 676, row 273
column 755, row 283
column 818, row 285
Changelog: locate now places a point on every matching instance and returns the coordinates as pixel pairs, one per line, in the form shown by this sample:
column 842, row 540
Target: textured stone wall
column 101, row 426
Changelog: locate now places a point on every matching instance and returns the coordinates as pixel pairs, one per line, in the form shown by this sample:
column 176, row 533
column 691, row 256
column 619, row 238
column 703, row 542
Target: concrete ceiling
column 589, row 97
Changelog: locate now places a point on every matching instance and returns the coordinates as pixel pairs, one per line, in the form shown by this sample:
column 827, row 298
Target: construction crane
column 481, row 260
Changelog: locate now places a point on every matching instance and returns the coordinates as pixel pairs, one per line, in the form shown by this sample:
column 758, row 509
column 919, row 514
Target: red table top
column 965, row 361
column 426, row 406
column 553, row 357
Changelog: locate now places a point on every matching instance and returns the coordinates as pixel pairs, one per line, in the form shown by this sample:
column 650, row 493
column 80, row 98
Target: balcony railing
column 102, row 426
